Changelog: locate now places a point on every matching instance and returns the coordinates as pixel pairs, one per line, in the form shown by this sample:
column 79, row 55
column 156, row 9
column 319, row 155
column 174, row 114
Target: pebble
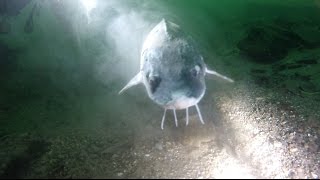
column 120, row 174
column 277, row 144
column 115, row 156
column 259, row 98
column 315, row 176
column 159, row 146
column 95, row 148
column 256, row 131
column 291, row 173
column 293, row 150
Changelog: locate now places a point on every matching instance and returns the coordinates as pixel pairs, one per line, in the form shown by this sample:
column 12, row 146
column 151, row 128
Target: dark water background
column 61, row 66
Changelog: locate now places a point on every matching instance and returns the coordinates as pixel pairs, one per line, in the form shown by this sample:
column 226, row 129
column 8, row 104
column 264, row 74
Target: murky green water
column 62, row 64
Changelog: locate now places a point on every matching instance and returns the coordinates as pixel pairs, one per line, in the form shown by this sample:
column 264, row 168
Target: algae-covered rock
column 271, row 43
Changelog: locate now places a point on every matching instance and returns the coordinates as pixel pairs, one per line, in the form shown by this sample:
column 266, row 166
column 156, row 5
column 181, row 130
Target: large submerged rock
column 270, row 43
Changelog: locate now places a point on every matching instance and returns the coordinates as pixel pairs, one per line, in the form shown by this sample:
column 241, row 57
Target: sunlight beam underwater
column 172, row 70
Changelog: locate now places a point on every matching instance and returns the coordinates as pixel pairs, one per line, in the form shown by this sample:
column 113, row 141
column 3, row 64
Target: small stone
column 256, row 131
column 315, row 176
column 115, row 156
column 95, row 148
column 120, row 174
column 159, row 146
column 300, row 170
column 300, row 130
column 278, row 177
column 293, row 150
column 291, row 136
column 147, row 155
column 277, row 144
column 291, row 173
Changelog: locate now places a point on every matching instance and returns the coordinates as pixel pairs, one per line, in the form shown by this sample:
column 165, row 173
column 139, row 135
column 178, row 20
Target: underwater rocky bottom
column 58, row 120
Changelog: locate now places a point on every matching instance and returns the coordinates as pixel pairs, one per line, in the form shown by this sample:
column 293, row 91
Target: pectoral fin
column 219, row 75
column 137, row 79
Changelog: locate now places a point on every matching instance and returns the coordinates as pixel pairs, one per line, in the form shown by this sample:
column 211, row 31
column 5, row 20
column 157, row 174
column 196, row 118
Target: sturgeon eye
column 195, row 71
column 154, row 82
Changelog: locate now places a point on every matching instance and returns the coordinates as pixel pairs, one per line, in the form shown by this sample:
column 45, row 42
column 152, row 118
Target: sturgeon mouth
column 182, row 103
column 187, row 116
column 183, row 100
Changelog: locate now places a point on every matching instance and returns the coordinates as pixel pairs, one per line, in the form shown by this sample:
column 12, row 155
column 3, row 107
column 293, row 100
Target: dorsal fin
column 171, row 29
